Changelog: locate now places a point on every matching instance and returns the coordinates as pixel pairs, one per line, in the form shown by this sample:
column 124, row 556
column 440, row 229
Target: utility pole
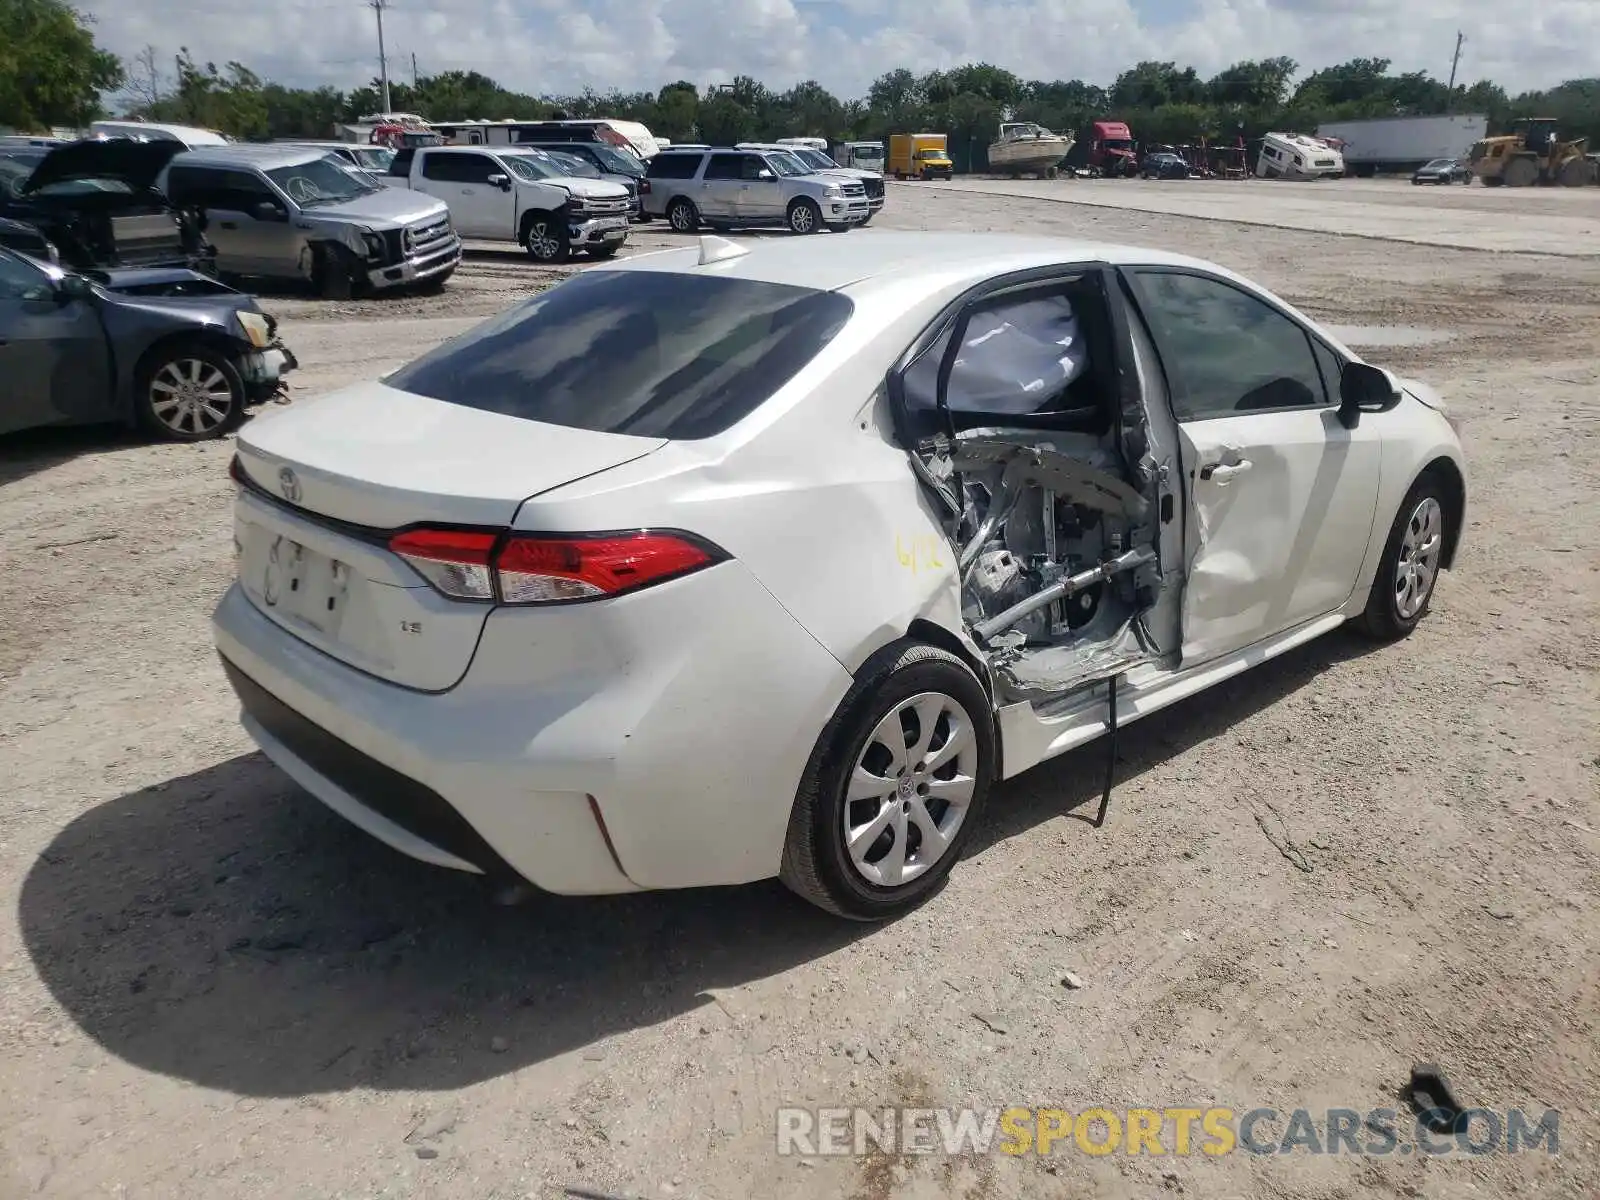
column 1454, row 61
column 413, row 70
column 383, row 59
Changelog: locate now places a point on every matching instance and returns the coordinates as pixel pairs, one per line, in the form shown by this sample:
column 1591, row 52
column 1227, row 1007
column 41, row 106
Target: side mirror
column 73, row 287
column 266, row 210
column 500, row 180
column 1365, row 388
column 765, row 175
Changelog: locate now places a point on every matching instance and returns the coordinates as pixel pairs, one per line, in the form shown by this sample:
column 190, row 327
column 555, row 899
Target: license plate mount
column 305, row 585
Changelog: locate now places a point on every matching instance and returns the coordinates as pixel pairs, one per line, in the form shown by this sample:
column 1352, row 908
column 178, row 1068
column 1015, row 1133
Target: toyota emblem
column 289, row 485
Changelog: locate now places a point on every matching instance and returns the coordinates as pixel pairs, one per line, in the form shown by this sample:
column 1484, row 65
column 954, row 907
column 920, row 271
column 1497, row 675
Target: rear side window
column 447, row 167
column 400, row 164
column 673, row 166
column 649, row 353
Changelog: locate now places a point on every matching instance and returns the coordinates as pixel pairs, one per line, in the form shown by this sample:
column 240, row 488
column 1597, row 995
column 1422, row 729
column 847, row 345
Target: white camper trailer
column 1296, row 156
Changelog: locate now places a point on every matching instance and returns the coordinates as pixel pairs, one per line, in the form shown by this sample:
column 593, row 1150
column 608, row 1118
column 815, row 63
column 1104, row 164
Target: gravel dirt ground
column 1345, row 861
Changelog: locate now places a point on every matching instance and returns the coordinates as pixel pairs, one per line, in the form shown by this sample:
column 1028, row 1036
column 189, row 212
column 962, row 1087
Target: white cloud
column 553, row 46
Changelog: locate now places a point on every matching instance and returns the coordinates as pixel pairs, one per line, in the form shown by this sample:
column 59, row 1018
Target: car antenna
column 714, row 250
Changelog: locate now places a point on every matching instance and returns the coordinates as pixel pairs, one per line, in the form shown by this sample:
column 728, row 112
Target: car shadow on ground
column 33, row 450
column 227, row 929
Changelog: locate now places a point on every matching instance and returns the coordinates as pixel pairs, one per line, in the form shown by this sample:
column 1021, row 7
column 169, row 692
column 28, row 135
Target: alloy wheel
column 191, row 396
column 801, row 219
column 1418, row 564
column 542, row 240
column 911, row 789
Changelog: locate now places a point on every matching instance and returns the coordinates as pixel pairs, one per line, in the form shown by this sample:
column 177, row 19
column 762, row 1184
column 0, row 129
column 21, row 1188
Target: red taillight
column 454, row 561
column 236, row 471
column 520, row 569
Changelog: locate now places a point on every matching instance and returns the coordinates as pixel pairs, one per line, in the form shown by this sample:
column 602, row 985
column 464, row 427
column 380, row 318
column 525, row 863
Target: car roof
column 884, row 257
column 263, row 156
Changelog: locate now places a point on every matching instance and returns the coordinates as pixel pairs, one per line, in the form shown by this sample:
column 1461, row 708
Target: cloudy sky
column 557, row 46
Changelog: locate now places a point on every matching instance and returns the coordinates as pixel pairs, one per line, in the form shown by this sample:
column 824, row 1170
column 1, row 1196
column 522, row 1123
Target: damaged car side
column 837, row 537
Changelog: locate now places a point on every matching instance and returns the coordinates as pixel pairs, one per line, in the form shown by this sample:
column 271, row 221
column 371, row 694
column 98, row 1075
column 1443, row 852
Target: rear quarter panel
column 811, row 493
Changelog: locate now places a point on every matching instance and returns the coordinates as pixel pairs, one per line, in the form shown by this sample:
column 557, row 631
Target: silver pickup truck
column 288, row 212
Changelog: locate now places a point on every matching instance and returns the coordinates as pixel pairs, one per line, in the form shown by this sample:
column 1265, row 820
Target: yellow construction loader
column 1531, row 153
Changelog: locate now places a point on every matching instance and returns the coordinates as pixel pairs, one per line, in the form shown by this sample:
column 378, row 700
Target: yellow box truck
column 919, row 156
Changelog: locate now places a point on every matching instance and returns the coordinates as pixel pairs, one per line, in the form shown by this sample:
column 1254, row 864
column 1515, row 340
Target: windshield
column 651, row 353
column 1439, row 164
column 935, row 153
column 573, row 165
column 815, row 158
column 374, row 158
column 1118, row 143
column 531, row 169
column 869, row 157
column 784, row 163
column 322, row 181
column 618, row 161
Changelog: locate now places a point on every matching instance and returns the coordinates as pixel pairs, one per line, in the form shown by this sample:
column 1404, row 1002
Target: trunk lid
column 326, row 482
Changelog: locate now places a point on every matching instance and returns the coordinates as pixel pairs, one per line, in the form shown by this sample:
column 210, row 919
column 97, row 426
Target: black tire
column 816, row 862
column 804, row 216
column 840, row 227
column 867, row 220
column 599, row 252
column 160, row 385
column 683, row 216
column 335, row 274
column 1385, row 618
column 544, row 237
column 1520, row 172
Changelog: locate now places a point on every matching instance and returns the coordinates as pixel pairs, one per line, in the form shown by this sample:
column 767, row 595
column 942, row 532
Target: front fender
column 1431, row 441
column 131, row 333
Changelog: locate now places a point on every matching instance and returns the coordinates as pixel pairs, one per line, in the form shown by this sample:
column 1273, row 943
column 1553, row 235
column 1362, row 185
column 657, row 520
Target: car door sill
column 1029, row 738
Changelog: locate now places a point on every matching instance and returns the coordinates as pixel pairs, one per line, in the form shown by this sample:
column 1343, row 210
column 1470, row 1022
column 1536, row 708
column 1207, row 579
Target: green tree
column 1261, row 83
column 51, row 71
column 677, row 111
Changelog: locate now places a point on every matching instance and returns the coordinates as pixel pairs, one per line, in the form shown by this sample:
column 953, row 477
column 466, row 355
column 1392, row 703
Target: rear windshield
column 649, row 353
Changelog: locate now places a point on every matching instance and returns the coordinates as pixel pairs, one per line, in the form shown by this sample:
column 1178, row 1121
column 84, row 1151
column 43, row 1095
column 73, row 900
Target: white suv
column 731, row 187
column 819, row 161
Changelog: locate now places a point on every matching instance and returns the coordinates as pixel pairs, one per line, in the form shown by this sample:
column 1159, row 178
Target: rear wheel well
column 922, row 630
column 1455, row 501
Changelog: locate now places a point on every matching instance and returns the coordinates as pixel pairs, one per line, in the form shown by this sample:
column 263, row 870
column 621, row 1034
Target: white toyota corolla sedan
column 742, row 560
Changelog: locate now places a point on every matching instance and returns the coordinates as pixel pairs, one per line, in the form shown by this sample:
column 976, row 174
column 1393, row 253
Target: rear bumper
column 683, row 716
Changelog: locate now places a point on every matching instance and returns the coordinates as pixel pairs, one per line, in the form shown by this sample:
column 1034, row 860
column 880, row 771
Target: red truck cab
column 1106, row 148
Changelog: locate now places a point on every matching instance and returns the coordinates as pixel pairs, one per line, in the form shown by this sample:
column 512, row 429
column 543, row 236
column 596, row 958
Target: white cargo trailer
column 1404, row 143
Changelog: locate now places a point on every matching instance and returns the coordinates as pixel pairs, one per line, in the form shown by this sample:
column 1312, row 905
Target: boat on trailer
column 1024, row 148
